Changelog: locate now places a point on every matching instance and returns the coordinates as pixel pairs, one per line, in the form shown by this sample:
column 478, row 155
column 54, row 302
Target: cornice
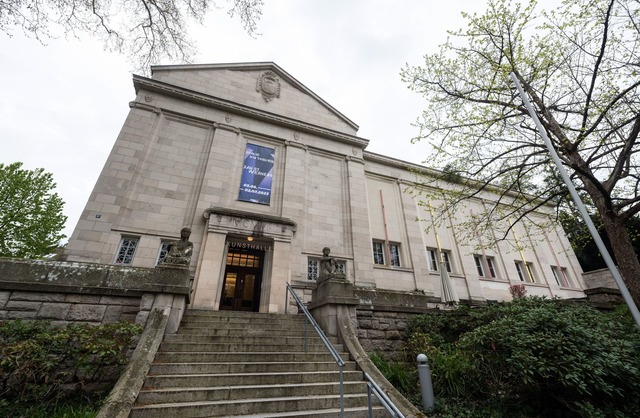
column 144, row 83
column 250, row 215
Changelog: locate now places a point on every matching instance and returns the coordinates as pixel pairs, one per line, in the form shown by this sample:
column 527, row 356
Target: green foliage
column 578, row 66
column 401, row 377
column 41, row 364
column 31, row 216
column 531, row 357
column 584, row 245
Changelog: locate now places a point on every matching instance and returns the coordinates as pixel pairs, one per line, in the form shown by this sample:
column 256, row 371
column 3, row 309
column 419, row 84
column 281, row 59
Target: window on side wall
column 380, row 255
column 434, row 260
column 313, row 267
column 561, row 275
column 126, row 250
column 162, row 251
column 485, row 266
column 525, row 271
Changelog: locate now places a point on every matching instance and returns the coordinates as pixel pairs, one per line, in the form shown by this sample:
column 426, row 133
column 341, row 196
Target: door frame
column 243, row 271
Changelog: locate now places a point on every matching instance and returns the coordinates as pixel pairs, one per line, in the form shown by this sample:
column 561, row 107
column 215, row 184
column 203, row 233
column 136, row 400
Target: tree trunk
column 626, row 259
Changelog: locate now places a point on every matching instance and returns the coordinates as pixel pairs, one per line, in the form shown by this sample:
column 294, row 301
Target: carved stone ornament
column 148, row 98
column 228, row 118
column 268, row 85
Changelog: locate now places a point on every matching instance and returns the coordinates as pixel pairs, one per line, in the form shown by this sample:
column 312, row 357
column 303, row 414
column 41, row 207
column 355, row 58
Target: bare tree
column 580, row 66
column 146, row 30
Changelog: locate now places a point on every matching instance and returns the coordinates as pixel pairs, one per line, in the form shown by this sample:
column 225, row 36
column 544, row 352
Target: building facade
column 266, row 174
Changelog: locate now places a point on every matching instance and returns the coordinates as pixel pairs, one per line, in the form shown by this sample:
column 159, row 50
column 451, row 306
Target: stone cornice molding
column 296, row 145
column 351, row 159
column 250, row 223
column 148, row 84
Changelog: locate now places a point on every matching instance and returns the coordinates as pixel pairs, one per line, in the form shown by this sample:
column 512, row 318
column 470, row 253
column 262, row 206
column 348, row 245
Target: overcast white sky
column 62, row 105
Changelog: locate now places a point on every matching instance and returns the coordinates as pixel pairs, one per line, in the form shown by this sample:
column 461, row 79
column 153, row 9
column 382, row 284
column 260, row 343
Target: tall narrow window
column 395, row 255
column 378, row 252
column 560, row 274
column 485, row 263
column 434, row 259
column 312, row 268
column 126, row 250
column 162, row 251
column 525, row 272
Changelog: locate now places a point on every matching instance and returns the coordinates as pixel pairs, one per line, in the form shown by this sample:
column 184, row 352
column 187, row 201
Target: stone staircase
column 247, row 364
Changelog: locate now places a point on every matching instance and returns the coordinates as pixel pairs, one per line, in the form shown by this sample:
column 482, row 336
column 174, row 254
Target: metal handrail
column 372, row 386
column 382, row 397
column 325, row 340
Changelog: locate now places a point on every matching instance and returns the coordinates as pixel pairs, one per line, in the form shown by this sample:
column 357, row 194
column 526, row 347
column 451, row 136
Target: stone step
column 266, row 346
column 248, row 392
column 359, row 412
column 240, row 357
column 296, row 340
column 239, row 379
column 186, row 329
column 258, row 407
column 247, row 364
column 250, row 367
column 249, row 317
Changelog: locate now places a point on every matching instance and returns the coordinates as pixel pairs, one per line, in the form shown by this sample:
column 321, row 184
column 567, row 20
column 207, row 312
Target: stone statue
column 179, row 252
column 328, row 267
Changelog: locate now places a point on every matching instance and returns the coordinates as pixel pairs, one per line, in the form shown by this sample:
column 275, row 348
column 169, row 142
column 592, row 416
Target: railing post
column 426, row 387
column 341, row 366
column 305, row 333
column 369, row 400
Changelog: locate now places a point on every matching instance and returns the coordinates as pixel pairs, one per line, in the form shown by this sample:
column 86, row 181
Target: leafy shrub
column 40, row 363
column 531, row 357
column 401, row 377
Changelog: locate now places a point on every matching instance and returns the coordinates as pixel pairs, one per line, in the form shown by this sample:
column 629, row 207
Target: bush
column 532, row 357
column 42, row 364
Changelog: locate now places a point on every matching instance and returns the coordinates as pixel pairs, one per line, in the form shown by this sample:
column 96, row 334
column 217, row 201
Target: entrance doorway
column 242, row 280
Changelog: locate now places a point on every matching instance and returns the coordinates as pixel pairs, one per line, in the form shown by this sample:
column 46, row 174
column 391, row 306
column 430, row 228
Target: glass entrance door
column 242, row 277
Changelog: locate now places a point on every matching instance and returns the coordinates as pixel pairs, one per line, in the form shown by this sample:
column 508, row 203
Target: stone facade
column 181, row 160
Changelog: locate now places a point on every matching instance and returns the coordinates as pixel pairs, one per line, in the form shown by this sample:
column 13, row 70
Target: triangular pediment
column 261, row 85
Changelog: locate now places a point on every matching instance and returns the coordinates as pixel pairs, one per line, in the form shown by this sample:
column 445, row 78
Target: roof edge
column 264, row 65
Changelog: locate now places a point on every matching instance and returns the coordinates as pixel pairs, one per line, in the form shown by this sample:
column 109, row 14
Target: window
column 313, row 268
column 434, row 260
column 380, row 255
column 126, row 250
column 162, row 252
column 394, row 252
column 485, row 263
column 378, row 252
column 561, row 276
column 525, row 272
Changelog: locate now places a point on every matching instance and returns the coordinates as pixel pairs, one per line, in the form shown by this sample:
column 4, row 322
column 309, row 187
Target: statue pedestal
column 332, row 298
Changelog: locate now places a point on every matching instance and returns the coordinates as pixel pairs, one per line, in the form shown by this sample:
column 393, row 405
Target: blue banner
column 257, row 174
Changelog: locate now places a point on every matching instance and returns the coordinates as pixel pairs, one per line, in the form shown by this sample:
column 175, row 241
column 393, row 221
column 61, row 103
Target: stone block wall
column 383, row 332
column 62, row 308
column 66, row 292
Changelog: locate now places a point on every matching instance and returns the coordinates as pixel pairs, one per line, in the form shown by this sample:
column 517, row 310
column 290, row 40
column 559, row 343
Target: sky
column 63, row 104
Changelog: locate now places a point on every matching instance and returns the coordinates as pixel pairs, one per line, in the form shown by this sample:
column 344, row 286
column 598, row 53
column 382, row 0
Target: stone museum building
column 266, row 174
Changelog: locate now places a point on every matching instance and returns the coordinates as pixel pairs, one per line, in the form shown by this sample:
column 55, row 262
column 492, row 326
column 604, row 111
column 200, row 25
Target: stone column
column 206, row 293
column 274, row 290
column 360, row 232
